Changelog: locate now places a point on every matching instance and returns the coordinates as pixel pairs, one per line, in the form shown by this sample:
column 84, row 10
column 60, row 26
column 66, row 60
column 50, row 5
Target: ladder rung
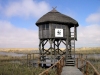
column 72, row 32
column 72, row 47
column 72, row 41
column 72, row 35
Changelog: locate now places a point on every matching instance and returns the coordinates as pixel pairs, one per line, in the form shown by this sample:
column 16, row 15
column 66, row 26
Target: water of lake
column 96, row 56
column 11, row 54
column 16, row 54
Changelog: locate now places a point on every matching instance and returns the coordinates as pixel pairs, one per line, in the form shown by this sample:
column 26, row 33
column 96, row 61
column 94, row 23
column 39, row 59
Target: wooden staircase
column 70, row 61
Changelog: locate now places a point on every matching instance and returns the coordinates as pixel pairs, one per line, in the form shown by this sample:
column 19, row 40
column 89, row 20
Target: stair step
column 70, row 64
column 70, row 60
column 69, row 57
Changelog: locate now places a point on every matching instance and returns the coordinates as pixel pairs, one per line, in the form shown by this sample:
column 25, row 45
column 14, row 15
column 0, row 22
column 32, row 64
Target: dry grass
column 33, row 49
column 19, row 50
column 90, row 50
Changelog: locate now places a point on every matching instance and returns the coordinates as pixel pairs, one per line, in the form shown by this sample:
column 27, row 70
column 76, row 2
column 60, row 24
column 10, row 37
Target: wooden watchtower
column 55, row 28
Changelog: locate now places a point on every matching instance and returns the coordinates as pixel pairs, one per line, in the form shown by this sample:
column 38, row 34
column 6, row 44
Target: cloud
column 13, row 37
column 25, row 8
column 88, row 36
column 94, row 18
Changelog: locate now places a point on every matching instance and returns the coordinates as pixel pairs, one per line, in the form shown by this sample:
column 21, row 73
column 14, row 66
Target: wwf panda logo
column 58, row 32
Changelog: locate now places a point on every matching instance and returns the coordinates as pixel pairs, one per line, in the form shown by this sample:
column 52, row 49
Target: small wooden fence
column 58, row 65
column 31, row 57
column 81, row 63
column 85, row 66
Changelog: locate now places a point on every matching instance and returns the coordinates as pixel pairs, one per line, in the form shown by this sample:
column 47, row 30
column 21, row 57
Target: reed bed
column 95, row 63
column 97, row 51
column 9, row 68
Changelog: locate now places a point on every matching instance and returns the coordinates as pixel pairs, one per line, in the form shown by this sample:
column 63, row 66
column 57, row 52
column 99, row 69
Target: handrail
column 87, row 63
column 95, row 71
column 59, row 64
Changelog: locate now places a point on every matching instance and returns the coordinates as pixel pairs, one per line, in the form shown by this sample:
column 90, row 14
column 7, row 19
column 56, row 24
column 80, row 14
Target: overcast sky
column 18, row 18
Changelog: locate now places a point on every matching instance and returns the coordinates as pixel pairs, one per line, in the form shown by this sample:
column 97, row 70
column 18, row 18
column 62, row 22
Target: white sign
column 58, row 32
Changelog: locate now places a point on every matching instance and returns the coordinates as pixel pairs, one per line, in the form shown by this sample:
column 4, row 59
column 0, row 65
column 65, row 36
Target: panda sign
column 58, row 32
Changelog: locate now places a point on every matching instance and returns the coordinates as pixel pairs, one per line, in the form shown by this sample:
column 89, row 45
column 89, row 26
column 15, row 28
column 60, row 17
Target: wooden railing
column 81, row 63
column 58, row 65
column 30, row 57
column 86, row 67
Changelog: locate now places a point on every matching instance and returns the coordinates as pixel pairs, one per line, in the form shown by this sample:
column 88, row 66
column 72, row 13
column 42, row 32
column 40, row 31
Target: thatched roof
column 56, row 17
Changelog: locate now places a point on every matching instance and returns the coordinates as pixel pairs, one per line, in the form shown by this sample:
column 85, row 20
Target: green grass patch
column 95, row 63
column 18, row 69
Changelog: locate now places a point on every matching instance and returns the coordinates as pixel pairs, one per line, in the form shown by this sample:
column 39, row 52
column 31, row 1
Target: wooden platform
column 69, row 70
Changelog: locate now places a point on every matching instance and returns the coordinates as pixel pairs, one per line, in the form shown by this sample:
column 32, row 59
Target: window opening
column 47, row 26
column 58, row 26
column 54, row 26
column 43, row 27
column 40, row 27
column 63, row 26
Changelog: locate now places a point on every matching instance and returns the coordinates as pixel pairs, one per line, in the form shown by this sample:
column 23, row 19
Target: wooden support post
column 77, row 63
column 46, row 73
column 44, row 65
column 30, row 56
column 81, row 61
column 63, row 61
column 86, row 57
column 82, row 65
column 84, row 70
column 33, row 56
column 81, row 56
column 95, row 73
column 39, row 63
column 58, row 46
column 54, row 53
column 66, row 55
column 58, row 68
column 87, row 67
column 27, row 60
column 74, row 39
